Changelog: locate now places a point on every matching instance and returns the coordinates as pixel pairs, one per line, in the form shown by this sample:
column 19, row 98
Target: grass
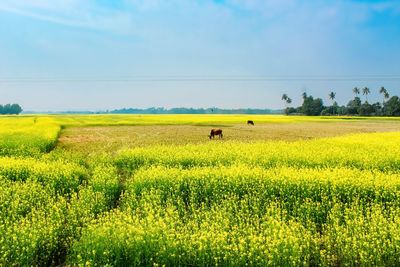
column 98, row 139
column 93, row 134
column 189, row 119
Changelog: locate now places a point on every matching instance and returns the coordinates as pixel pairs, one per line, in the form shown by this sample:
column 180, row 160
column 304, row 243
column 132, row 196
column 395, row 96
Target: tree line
column 182, row 110
column 390, row 105
column 10, row 109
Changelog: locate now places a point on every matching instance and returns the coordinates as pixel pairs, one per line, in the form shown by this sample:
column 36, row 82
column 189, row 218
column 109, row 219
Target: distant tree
column 386, row 95
column 335, row 107
column 353, row 106
column 366, row 92
column 292, row 110
column 377, row 109
column 326, row 111
column 287, row 101
column 15, row 109
column 383, row 92
column 285, row 98
column 366, row 109
column 6, row 109
column 331, row 110
column 183, row 110
column 342, row 110
column 332, row 96
column 392, row 106
column 311, row 106
column 356, row 91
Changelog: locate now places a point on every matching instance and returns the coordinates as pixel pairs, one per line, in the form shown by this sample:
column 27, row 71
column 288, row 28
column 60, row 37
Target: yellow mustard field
column 35, row 134
column 185, row 119
column 27, row 135
column 321, row 202
column 363, row 151
column 30, row 135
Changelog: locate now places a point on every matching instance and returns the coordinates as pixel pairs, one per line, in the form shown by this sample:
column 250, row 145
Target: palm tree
column 288, row 101
column 332, row 96
column 383, row 92
column 386, row 95
column 285, row 99
column 356, row 91
column 366, row 92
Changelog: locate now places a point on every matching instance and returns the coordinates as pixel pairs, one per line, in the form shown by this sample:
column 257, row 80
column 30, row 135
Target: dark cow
column 249, row 122
column 215, row 132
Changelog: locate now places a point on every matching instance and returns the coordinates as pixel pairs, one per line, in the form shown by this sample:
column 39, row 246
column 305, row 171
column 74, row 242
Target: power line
column 139, row 79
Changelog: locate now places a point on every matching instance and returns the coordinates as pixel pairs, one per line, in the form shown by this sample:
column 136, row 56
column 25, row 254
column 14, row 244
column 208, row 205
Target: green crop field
column 154, row 190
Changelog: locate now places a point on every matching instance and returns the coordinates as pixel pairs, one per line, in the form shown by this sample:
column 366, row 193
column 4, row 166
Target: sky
column 107, row 54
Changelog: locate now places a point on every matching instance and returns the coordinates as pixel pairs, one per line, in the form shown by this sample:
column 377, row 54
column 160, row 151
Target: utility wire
column 139, row 79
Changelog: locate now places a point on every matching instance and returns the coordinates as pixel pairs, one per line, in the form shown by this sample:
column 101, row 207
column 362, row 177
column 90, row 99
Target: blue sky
column 105, row 54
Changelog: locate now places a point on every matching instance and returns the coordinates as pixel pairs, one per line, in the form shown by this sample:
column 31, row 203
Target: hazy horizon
column 121, row 108
column 104, row 55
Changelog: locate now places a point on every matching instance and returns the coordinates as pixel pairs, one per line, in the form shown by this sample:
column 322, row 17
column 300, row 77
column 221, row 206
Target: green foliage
column 392, row 106
column 10, row 109
column 311, row 106
column 314, row 107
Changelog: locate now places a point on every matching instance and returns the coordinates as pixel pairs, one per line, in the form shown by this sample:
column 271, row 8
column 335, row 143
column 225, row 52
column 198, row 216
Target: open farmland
column 96, row 139
column 153, row 190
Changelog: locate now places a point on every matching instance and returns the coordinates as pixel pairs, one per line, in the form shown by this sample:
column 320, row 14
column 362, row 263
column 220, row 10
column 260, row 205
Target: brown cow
column 215, row 132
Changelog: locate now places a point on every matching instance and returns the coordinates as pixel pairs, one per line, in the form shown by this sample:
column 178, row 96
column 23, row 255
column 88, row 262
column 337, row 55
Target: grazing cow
column 215, row 132
column 249, row 122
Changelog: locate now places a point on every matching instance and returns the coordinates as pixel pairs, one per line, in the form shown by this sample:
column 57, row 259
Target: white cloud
column 72, row 13
column 60, row 5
